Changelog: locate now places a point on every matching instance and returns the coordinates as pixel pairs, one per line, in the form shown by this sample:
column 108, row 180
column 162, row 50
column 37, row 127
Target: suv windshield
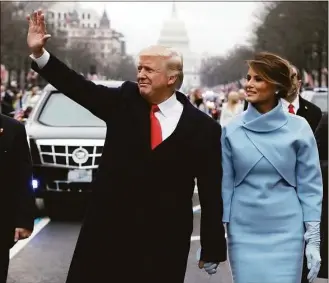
column 321, row 101
column 61, row 111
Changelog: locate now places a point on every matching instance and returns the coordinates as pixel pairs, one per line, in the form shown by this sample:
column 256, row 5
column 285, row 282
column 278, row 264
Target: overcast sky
column 213, row 27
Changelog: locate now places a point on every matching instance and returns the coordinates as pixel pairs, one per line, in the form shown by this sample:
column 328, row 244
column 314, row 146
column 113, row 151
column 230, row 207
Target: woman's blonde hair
column 233, row 98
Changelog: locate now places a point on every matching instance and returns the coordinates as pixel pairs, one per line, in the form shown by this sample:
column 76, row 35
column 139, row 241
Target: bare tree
column 297, row 31
column 124, row 69
column 222, row 70
column 14, row 52
column 79, row 58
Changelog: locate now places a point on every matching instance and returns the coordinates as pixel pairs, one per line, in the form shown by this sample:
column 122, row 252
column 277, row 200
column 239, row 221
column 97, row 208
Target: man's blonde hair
column 174, row 61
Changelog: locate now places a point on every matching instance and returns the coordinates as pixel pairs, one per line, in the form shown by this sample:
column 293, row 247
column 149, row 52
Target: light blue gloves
column 312, row 250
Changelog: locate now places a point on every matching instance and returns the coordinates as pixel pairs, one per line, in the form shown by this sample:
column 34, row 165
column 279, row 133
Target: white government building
column 174, row 34
column 85, row 28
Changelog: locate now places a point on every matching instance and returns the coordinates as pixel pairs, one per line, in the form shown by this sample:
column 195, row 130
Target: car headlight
column 35, row 184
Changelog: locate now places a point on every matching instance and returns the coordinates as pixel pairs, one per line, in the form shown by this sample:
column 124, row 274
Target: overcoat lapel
column 303, row 110
column 143, row 120
column 139, row 125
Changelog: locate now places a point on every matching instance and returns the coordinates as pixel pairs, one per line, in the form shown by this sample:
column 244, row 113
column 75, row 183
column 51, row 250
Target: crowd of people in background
column 18, row 102
column 223, row 106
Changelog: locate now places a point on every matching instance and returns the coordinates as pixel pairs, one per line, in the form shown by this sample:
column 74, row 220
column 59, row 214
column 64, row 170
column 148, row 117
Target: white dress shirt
column 169, row 115
column 170, row 110
column 295, row 103
column 42, row 60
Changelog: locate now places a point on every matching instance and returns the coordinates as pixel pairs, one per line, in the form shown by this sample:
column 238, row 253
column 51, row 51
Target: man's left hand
column 209, row 267
column 21, row 234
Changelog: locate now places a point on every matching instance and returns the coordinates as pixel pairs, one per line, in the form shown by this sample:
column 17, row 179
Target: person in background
column 242, row 95
column 6, row 101
column 148, row 165
column 232, row 108
column 17, row 202
column 272, row 186
column 321, row 135
column 31, row 98
column 198, row 101
column 295, row 104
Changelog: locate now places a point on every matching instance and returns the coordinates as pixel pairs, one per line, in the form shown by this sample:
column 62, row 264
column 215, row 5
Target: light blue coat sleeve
column 308, row 176
column 228, row 177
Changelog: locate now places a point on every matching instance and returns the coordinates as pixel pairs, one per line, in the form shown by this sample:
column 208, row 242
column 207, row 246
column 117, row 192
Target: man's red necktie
column 291, row 109
column 156, row 133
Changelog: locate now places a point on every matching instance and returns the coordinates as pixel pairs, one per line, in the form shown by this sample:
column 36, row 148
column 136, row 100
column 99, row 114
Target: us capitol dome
column 174, row 34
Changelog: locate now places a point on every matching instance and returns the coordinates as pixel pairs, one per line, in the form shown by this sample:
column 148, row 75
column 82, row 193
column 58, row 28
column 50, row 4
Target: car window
column 321, row 101
column 61, row 111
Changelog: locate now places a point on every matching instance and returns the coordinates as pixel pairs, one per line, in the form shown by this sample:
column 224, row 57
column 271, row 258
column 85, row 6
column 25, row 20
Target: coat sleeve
column 308, row 175
column 321, row 136
column 209, row 177
column 98, row 99
column 25, row 208
column 317, row 119
column 228, row 177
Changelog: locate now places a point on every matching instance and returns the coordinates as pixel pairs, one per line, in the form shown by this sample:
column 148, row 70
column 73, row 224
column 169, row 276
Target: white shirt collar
column 168, row 105
column 295, row 103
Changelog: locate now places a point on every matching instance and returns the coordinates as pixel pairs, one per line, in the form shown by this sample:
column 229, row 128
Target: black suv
column 66, row 142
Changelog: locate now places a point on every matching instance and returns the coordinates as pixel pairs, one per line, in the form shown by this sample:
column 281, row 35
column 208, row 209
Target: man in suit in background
column 140, row 214
column 321, row 135
column 295, row 104
column 17, row 203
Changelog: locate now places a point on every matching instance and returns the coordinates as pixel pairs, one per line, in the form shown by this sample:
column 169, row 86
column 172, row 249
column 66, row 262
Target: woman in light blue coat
column 272, row 185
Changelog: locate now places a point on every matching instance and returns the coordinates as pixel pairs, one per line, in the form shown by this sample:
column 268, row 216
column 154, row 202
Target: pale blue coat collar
column 268, row 122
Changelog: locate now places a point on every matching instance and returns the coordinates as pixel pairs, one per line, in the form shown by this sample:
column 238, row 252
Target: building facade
column 84, row 28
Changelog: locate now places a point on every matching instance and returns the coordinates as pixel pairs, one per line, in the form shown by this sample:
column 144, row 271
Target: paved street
column 46, row 258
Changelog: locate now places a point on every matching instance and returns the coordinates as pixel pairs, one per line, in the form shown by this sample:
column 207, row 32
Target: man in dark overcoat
column 312, row 114
column 140, row 219
column 321, row 135
column 17, row 202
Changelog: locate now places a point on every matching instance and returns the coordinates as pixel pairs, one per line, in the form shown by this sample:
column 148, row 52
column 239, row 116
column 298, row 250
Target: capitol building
column 174, row 34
